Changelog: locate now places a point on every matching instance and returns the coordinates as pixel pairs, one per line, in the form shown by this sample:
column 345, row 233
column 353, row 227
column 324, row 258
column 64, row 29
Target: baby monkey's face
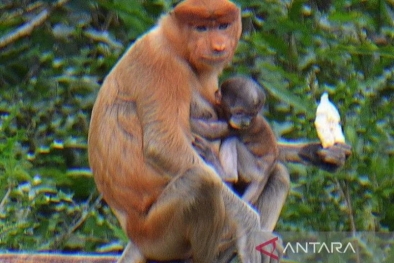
column 241, row 118
column 241, row 101
column 241, row 109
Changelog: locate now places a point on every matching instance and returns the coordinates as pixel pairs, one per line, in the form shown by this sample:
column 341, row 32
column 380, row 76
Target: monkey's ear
column 218, row 97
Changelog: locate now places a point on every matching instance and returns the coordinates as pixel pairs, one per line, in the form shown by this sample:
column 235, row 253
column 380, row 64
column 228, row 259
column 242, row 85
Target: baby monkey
column 248, row 153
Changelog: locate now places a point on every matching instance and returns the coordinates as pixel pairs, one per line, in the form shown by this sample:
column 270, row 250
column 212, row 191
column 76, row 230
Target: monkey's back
column 128, row 183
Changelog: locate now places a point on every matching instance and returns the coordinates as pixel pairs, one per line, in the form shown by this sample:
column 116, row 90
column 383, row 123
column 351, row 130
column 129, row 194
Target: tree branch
column 56, row 258
column 28, row 27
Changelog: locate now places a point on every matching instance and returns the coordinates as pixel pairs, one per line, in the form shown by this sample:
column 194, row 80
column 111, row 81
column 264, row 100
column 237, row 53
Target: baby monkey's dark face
column 241, row 101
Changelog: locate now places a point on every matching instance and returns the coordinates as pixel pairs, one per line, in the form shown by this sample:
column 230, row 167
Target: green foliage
column 50, row 78
column 298, row 52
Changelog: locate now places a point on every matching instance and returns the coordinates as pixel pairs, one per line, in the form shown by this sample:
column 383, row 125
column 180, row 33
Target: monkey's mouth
column 239, row 125
column 216, row 59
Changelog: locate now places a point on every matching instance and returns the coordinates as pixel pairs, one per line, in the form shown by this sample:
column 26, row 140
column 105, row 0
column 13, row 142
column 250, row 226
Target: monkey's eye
column 237, row 112
column 201, row 28
column 224, row 26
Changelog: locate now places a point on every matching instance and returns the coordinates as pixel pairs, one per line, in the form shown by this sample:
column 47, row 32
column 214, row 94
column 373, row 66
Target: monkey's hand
column 268, row 249
column 207, row 153
column 263, row 247
column 329, row 159
column 204, row 149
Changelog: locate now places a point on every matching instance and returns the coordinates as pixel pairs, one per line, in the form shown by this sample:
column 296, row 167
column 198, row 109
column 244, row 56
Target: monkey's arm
column 329, row 159
column 210, row 129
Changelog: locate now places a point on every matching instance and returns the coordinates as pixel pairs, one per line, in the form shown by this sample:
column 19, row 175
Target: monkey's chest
column 200, row 108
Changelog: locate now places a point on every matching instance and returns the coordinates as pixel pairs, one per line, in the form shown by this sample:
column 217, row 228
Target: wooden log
column 55, row 258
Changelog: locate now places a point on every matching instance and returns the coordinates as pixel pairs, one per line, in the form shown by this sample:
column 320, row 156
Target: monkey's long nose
column 219, row 47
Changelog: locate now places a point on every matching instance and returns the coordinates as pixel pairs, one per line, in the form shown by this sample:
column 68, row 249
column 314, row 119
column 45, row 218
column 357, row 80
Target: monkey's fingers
column 203, row 148
column 269, row 246
column 329, row 159
column 336, row 154
column 345, row 147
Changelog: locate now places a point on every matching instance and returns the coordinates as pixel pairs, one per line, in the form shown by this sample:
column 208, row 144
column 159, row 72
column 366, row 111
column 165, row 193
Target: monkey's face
column 241, row 120
column 212, row 44
column 239, row 111
column 211, row 30
column 241, row 100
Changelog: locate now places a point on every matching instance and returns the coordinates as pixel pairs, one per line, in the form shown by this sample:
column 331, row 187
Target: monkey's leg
column 188, row 218
column 273, row 197
column 228, row 158
column 269, row 205
column 255, row 170
column 248, row 230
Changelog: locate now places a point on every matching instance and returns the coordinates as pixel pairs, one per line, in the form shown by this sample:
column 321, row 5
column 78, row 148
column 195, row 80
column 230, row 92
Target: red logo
column 266, row 252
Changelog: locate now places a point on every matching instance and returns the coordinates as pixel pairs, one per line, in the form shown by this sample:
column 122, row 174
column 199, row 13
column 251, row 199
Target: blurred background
column 55, row 54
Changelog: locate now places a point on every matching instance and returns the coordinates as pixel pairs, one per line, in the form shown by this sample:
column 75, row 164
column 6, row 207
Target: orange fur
column 140, row 140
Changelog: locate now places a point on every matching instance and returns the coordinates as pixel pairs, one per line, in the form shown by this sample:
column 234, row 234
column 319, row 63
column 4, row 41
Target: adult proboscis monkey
column 170, row 203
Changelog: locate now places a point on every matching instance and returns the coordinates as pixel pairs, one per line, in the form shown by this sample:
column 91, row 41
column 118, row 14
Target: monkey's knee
column 204, row 188
column 191, row 210
column 194, row 197
column 271, row 201
column 281, row 169
column 281, row 176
